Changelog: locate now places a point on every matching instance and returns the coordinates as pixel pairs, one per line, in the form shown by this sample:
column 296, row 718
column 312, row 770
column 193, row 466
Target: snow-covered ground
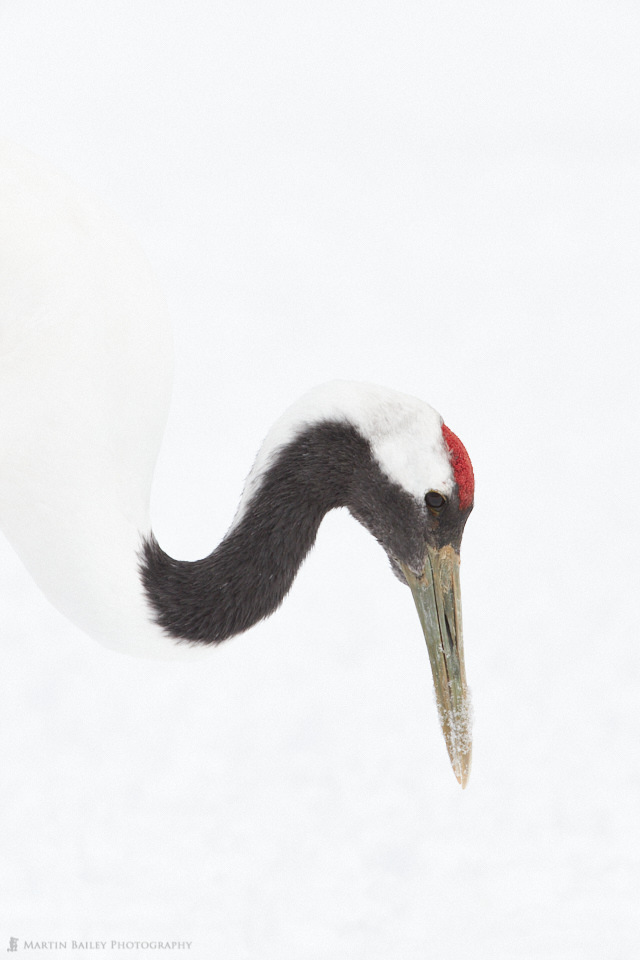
column 444, row 199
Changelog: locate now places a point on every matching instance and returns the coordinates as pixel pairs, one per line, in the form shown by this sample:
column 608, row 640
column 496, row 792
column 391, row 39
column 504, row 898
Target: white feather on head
column 405, row 435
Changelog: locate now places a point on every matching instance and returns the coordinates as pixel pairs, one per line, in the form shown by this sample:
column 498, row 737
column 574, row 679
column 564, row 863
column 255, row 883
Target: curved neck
column 248, row 575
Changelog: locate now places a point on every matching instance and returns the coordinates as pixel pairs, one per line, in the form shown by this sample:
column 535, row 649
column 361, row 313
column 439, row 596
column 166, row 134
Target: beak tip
column 462, row 769
column 456, row 725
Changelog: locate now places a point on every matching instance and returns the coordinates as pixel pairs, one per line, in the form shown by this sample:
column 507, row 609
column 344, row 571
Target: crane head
column 417, row 509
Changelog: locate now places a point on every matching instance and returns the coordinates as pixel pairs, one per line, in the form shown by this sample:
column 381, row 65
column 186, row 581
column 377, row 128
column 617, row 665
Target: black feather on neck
column 248, row 575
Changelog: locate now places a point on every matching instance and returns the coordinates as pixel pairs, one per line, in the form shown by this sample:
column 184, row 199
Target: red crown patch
column 462, row 468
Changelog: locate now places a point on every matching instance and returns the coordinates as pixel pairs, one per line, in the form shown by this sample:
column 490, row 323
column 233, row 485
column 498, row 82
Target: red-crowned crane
column 85, row 378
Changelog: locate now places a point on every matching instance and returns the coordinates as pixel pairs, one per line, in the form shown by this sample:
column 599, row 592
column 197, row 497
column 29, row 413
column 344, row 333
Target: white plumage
column 85, row 381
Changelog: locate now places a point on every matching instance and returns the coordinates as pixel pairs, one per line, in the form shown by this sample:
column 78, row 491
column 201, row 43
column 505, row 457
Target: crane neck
column 248, row 575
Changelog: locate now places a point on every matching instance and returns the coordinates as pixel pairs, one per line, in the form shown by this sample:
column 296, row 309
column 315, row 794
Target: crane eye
column 434, row 500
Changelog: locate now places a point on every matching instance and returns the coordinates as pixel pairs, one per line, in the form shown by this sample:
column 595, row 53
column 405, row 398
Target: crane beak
column 436, row 593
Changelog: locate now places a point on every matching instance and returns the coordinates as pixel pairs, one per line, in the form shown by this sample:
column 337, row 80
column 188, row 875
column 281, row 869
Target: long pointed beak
column 436, row 593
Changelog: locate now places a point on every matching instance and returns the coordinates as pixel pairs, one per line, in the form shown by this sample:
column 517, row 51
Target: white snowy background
column 443, row 198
